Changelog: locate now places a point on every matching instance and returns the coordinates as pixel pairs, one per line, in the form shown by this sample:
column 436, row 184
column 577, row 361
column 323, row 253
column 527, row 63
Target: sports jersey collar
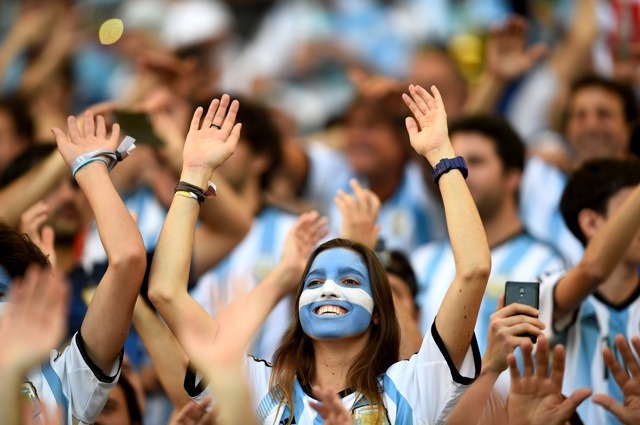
column 308, row 390
column 626, row 303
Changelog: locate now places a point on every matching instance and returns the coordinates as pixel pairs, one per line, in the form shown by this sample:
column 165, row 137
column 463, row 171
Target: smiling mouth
column 330, row 310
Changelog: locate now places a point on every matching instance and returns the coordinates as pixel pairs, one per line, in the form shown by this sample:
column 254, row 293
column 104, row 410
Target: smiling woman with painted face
column 344, row 333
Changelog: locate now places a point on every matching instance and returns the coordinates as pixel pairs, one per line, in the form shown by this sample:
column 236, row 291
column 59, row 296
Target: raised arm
column 108, row 319
column 456, row 318
column 206, row 147
column 168, row 360
column 602, row 255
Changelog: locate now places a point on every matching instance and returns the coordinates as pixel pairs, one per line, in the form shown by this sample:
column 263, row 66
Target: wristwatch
column 447, row 164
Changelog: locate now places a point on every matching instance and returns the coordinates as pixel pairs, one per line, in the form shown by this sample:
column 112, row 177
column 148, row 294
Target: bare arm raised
column 429, row 136
column 106, row 324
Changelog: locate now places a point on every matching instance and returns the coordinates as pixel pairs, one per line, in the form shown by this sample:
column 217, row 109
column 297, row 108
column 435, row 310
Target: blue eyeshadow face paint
column 337, row 299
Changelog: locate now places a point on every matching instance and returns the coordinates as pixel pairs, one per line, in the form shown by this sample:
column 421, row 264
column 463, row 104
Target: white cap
column 189, row 22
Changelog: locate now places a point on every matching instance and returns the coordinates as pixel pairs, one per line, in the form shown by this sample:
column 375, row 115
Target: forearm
column 21, row 194
column 602, row 255
column 466, row 232
column 167, row 357
column 239, row 322
column 471, row 406
column 228, row 215
column 118, row 231
column 484, row 95
column 10, row 396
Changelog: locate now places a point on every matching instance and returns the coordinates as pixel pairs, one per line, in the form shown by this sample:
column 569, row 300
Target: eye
column 350, row 282
column 314, row 283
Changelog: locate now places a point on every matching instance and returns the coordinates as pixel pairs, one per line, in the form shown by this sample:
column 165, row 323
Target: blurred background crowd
column 552, row 83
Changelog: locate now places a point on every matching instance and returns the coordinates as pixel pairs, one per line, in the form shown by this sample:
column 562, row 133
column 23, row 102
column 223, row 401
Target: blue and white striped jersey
column 411, row 217
column 422, row 390
column 585, row 333
column 243, row 269
column 540, row 193
column 71, row 382
column 521, row 258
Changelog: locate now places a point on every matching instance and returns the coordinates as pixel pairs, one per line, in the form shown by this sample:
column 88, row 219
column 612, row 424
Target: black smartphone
column 527, row 293
column 138, row 126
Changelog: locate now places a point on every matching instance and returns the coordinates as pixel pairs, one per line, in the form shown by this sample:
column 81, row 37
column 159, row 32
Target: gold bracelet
column 186, row 194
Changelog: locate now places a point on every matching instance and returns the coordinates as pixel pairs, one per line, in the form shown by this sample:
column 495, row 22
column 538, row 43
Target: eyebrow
column 350, row 270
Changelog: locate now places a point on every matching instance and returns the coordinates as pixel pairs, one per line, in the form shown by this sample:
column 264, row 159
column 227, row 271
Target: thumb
column 611, row 405
column 570, row 405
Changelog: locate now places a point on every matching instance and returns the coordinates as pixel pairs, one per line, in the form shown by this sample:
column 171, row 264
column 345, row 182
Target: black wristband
column 188, row 187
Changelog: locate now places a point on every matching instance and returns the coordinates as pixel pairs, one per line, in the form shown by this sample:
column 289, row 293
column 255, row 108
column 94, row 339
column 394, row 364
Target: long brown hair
column 295, row 357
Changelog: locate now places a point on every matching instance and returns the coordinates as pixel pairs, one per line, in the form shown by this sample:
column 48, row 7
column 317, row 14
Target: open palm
column 211, row 142
column 93, row 136
column 536, row 398
column 629, row 411
column 428, row 131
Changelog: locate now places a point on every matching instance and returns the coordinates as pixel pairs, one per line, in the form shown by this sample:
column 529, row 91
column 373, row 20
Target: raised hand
column 536, row 398
column 307, row 231
column 428, row 131
column 211, row 142
column 507, row 54
column 32, row 222
column 35, row 321
column 331, row 408
column 629, row 411
column 359, row 214
column 506, row 324
column 93, row 136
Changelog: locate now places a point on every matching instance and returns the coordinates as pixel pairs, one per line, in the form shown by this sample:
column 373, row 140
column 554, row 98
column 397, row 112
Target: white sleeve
column 73, row 382
column 553, row 328
column 430, row 382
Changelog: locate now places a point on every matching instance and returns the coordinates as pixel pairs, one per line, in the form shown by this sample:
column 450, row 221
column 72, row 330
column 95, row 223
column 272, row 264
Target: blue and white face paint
column 337, row 299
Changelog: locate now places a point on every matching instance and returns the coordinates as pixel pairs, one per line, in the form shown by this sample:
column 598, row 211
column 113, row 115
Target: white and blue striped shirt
column 243, row 269
column 585, row 333
column 71, row 382
column 540, row 193
column 422, row 390
column 521, row 258
column 412, row 217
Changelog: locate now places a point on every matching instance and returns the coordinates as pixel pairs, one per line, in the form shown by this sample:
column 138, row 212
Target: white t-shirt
column 422, row 390
column 71, row 382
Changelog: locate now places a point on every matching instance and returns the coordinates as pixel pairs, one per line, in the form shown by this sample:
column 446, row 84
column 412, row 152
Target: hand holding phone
column 527, row 293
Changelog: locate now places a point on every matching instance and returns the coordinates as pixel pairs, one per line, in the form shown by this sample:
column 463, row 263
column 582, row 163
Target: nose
column 331, row 290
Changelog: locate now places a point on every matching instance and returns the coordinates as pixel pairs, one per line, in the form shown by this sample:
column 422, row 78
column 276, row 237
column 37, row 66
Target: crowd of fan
column 285, row 253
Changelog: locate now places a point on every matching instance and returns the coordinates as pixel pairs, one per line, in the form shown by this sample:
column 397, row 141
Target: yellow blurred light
column 111, row 31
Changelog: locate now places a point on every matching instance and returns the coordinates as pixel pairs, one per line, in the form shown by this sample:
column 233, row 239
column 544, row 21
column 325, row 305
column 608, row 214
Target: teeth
column 330, row 310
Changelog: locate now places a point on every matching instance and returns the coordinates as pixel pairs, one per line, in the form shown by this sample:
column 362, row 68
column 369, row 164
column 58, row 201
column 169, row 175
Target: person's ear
column 513, row 178
column 376, row 319
column 590, row 222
